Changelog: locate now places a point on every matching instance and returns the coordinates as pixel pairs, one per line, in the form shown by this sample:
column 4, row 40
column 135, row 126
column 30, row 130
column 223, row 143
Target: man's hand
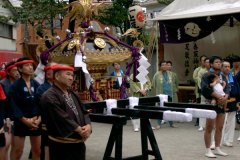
column 143, row 92
column 30, row 123
column 86, row 131
column 37, row 120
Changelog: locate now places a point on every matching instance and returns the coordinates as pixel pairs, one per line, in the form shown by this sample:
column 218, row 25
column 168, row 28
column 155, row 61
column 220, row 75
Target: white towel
column 177, row 116
column 111, row 103
column 163, row 98
column 201, row 113
column 133, row 101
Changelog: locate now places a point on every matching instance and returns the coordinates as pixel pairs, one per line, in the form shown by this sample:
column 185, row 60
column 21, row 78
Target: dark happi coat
column 24, row 102
column 60, row 119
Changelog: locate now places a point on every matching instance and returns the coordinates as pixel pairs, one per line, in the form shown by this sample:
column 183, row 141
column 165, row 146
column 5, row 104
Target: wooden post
column 160, row 52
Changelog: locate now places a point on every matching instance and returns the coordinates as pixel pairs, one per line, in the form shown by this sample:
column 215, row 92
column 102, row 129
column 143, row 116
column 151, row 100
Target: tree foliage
column 37, row 12
column 116, row 15
column 165, row 1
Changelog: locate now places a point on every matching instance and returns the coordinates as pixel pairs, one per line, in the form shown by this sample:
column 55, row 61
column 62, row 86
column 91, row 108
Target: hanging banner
column 191, row 29
column 187, row 58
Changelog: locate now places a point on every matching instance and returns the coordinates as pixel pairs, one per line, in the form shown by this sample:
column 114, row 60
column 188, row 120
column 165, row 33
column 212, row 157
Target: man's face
column 65, row 78
column 164, row 67
column 236, row 64
column 217, row 64
column 13, row 73
column 116, row 66
column 207, row 64
column 203, row 60
column 226, row 67
column 169, row 66
column 27, row 69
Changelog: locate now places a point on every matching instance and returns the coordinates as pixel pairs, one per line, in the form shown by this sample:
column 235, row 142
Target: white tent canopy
column 180, row 9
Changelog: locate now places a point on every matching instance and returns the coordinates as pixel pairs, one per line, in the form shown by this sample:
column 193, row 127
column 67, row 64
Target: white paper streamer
column 111, row 103
column 177, row 116
column 78, row 62
column 201, row 113
column 142, row 69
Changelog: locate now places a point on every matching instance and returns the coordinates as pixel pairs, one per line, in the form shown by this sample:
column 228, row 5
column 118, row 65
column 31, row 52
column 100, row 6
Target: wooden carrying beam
column 110, row 119
column 157, row 108
column 121, row 103
column 138, row 113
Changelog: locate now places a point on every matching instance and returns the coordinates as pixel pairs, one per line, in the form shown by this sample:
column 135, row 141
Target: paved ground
column 182, row 143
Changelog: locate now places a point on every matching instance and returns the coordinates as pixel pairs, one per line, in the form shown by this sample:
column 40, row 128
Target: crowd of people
column 55, row 119
column 50, row 114
column 165, row 81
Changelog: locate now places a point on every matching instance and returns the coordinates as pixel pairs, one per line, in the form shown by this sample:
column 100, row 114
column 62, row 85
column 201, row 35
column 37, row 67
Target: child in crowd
column 218, row 85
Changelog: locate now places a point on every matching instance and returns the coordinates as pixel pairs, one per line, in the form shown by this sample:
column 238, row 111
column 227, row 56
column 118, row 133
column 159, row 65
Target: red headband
column 59, row 67
column 10, row 67
column 24, row 62
column 46, row 68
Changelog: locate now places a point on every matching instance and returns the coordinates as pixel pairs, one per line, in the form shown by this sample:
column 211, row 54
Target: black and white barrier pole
column 196, row 113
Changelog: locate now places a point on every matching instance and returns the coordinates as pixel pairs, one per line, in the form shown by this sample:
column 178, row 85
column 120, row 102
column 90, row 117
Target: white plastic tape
column 201, row 113
column 177, row 116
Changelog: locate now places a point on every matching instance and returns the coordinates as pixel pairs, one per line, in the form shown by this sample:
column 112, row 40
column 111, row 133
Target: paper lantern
column 136, row 17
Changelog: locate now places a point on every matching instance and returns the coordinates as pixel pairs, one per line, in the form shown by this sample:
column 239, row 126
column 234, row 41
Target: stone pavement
column 182, row 143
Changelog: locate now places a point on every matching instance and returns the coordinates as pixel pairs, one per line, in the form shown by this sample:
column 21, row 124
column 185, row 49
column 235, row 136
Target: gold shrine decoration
column 93, row 56
column 106, row 57
column 85, row 9
column 99, row 42
column 138, row 44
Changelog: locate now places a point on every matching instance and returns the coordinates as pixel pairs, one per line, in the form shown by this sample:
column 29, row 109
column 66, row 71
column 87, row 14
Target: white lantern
column 136, row 17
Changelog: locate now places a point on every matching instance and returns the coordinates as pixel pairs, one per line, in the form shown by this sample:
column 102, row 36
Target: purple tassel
column 44, row 55
column 135, row 55
column 92, row 93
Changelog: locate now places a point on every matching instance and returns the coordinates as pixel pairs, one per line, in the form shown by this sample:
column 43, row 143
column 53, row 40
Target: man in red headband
column 26, row 111
column 67, row 122
column 12, row 75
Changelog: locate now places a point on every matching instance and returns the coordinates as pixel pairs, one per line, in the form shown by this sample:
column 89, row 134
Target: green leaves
column 117, row 14
column 37, row 12
column 165, row 1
